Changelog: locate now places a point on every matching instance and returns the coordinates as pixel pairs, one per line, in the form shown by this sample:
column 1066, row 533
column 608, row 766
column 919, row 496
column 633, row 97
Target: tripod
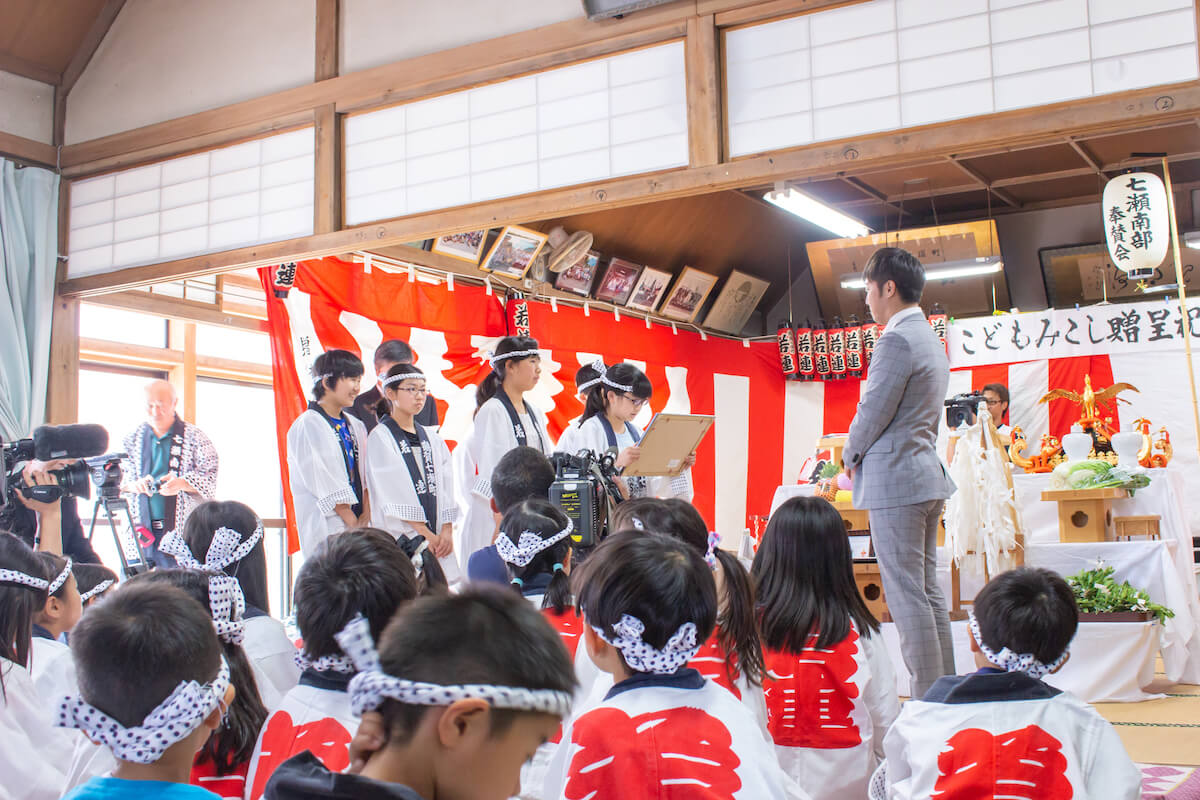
column 133, row 557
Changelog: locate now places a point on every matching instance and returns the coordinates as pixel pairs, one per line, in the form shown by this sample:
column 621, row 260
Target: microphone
column 69, row 441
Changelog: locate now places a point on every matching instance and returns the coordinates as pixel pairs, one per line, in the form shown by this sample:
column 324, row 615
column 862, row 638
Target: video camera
column 585, row 491
column 52, row 442
column 962, row 408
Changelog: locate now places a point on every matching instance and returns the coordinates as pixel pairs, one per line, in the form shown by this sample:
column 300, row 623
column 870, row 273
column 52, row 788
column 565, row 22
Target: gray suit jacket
column 892, row 439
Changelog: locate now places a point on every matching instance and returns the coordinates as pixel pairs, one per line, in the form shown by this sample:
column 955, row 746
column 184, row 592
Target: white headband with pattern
column 642, row 657
column 372, row 686
column 417, row 562
column 98, row 589
column 600, row 368
column 225, row 598
column 494, row 358
column 403, row 376
column 24, row 579
column 321, row 378
column 61, row 578
column 1009, row 661
column 530, row 544
column 173, row 719
column 338, row 663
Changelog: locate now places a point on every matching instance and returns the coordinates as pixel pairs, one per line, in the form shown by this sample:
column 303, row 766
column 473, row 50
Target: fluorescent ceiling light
column 817, row 212
column 963, row 268
column 1192, row 239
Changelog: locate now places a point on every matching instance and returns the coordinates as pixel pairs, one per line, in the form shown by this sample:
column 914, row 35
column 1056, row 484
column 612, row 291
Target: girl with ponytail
column 614, row 396
column 503, row 420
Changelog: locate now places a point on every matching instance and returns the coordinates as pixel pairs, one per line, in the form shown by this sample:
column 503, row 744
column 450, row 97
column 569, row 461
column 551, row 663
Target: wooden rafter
column 1000, row 194
column 35, row 72
column 27, row 150
column 90, row 43
column 1082, row 151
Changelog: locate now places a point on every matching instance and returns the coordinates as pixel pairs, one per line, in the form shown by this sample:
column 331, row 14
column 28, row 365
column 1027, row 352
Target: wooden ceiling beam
column 27, row 150
column 176, row 308
column 1082, row 151
column 1022, row 180
column 26, row 69
column 90, row 43
column 970, row 172
column 328, row 38
column 826, row 159
column 871, row 191
column 1142, row 162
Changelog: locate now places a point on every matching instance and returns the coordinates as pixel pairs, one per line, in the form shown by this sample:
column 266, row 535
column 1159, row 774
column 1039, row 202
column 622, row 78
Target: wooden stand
column 856, row 519
column 835, row 445
column 870, row 586
column 1125, row 528
column 1085, row 515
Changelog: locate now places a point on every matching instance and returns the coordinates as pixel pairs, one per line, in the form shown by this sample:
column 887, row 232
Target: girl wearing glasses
column 615, row 396
column 408, row 469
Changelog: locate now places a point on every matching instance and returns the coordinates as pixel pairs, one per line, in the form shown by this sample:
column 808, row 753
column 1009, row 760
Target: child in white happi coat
column 325, row 449
column 503, row 420
column 360, row 571
column 662, row 731
column 830, row 688
column 50, row 663
column 1002, row 731
column 614, row 398
column 272, row 654
column 409, row 475
column 34, row 755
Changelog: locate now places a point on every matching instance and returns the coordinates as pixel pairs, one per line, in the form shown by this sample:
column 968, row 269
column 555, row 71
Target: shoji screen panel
column 891, row 64
column 613, row 116
column 249, row 193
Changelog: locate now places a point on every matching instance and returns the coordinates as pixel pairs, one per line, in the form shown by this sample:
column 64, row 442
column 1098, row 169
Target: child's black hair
column 336, row 364
column 251, row 571
column 392, row 351
column 384, row 407
column 52, row 566
column 89, row 576
column 655, row 578
column 542, row 518
column 18, row 602
column 585, row 374
column 1027, row 610
column 431, row 578
column 232, row 744
column 135, row 648
column 625, row 374
column 737, row 628
column 483, row 635
column 495, row 379
column 521, row 474
column 805, row 578
column 359, row 571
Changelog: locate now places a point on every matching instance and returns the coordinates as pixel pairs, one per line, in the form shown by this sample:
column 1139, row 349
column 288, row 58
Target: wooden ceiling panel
column 1019, row 163
column 836, row 191
column 1088, row 186
column 1114, row 149
column 43, row 35
column 916, row 180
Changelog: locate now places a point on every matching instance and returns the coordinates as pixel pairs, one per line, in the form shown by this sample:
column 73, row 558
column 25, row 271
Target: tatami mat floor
column 1165, row 731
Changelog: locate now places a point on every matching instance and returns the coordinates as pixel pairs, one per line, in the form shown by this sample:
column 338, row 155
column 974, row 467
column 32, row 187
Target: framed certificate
column 669, row 440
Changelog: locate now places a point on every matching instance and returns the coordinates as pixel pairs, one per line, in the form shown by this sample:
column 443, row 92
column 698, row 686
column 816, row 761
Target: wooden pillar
column 703, row 92
column 181, row 336
column 327, row 186
column 62, row 379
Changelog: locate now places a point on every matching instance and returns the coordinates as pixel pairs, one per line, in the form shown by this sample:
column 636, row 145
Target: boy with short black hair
column 1002, row 731
column 153, row 686
column 358, row 572
column 468, row 685
column 523, row 473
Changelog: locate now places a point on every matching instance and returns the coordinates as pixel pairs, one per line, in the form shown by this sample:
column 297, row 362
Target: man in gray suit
column 891, row 457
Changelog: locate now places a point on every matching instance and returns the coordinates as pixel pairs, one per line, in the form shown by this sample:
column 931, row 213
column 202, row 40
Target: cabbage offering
column 1097, row 475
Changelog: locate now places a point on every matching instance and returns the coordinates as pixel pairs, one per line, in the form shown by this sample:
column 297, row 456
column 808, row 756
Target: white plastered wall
column 164, row 59
column 26, row 107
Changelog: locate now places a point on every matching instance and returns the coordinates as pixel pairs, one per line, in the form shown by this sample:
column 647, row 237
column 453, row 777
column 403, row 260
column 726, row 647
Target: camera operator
column 52, row 526
column 172, row 468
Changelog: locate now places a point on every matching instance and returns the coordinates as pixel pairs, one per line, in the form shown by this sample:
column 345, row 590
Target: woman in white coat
column 614, row 398
column 409, row 476
column 324, row 454
column 503, row 420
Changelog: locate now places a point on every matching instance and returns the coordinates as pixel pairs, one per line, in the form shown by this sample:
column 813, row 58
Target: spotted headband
column 339, row 663
column 173, row 719
column 710, row 557
column 417, row 562
column 530, row 545
column 61, row 578
column 1009, row 661
column 371, row 686
column 496, row 358
column 600, row 368
column 98, row 589
column 403, row 376
column 321, row 378
column 642, row 657
column 24, row 578
column 225, row 598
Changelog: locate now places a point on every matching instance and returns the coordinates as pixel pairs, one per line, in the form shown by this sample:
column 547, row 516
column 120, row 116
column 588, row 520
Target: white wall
column 376, row 32
column 169, row 58
column 26, row 107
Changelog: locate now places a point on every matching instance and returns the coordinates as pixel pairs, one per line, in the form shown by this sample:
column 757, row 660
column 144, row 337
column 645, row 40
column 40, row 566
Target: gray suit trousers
column 905, row 539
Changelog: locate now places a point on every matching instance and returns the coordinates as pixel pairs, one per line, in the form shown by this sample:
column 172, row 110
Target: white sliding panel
column 245, row 194
column 890, row 64
column 613, row 116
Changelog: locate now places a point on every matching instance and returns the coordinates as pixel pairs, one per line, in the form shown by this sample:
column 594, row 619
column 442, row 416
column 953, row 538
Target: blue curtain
column 28, row 258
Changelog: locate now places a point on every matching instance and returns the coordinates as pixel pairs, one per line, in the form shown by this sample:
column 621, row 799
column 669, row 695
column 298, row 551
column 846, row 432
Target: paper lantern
column 837, row 349
column 870, row 332
column 820, row 339
column 1136, row 224
column 787, row 350
column 938, row 320
column 853, row 348
column 805, row 361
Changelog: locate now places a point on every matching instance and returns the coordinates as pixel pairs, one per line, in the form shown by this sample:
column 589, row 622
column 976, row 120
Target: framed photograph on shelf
column 649, row 289
column 578, row 277
column 736, row 302
column 688, row 294
column 513, row 251
column 618, row 281
column 860, row 547
column 465, row 246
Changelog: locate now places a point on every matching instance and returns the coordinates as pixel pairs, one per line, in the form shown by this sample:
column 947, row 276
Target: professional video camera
column 961, row 408
column 585, row 491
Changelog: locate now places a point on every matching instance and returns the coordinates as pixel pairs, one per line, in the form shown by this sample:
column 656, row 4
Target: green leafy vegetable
column 1097, row 591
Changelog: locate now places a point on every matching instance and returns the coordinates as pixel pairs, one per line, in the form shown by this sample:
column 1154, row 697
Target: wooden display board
column 669, row 440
